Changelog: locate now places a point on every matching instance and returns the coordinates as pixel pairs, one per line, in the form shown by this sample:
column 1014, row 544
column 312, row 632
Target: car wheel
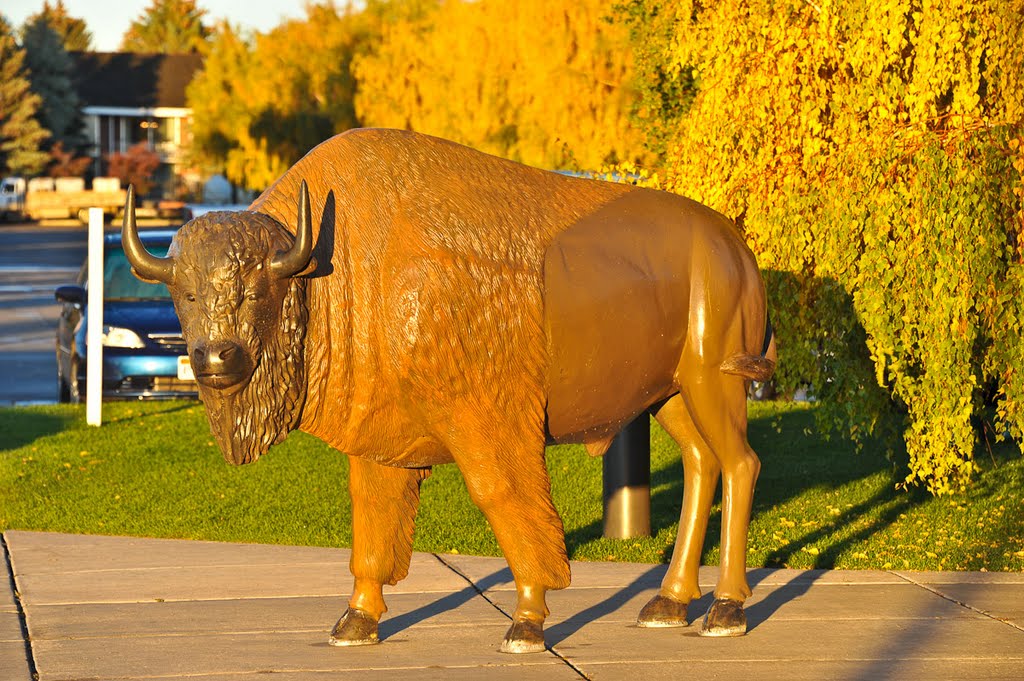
column 74, row 394
column 63, row 391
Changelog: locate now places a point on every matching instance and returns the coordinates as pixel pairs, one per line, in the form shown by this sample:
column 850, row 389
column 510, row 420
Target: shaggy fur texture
column 218, row 256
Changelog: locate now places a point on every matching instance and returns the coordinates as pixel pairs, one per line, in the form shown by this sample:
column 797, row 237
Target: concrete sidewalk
column 97, row 607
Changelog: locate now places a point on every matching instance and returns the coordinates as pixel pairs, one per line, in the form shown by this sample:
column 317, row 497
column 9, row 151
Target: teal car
column 144, row 355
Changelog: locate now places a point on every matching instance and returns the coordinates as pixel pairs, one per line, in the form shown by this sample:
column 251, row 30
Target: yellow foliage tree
column 259, row 105
column 870, row 149
column 543, row 82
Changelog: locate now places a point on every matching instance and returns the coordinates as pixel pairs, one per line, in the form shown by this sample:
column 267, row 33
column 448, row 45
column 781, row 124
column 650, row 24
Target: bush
column 135, row 166
column 871, row 153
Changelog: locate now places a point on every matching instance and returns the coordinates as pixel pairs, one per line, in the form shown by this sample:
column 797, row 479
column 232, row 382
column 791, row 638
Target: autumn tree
column 665, row 89
column 393, row 11
column 66, row 163
column 258, row 107
column 72, row 31
column 543, row 82
column 21, row 135
column 167, row 27
column 871, row 152
column 219, row 95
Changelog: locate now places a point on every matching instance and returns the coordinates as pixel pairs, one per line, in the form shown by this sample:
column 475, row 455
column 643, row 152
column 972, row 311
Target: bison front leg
column 384, row 505
column 510, row 485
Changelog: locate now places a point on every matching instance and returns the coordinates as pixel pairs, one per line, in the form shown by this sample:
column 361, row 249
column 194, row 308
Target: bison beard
column 247, row 423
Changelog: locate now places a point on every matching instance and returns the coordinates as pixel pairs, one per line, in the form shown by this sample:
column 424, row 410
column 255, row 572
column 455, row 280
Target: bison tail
column 755, row 367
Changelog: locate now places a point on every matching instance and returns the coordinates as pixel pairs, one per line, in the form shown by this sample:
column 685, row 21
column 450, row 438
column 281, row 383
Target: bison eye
column 252, row 296
column 190, row 297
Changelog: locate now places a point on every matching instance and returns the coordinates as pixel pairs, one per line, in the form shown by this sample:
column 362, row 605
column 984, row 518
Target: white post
column 94, row 334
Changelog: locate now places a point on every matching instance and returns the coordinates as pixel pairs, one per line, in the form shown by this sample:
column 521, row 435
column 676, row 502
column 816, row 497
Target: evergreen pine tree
column 51, row 71
column 21, row 135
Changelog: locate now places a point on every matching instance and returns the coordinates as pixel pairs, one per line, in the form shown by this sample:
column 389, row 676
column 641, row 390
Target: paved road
column 34, row 260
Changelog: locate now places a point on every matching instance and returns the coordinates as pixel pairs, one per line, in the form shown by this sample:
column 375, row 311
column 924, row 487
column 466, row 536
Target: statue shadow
column 650, row 580
column 323, row 250
column 391, row 627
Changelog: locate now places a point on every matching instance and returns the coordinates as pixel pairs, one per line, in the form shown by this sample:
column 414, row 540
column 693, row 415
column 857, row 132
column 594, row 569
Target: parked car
column 144, row 355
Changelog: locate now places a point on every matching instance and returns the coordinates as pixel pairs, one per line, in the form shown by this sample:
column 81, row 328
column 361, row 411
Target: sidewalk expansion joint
column 970, row 607
column 29, row 654
column 497, row 607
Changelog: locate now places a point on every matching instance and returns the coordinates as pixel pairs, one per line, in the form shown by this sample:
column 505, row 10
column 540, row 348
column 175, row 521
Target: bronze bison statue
column 461, row 308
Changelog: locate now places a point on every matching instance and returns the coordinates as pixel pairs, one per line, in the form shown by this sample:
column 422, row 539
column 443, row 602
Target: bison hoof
column 725, row 617
column 524, row 636
column 355, row 628
column 662, row 611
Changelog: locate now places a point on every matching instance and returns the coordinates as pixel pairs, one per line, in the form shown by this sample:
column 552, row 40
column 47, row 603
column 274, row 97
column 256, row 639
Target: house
column 129, row 98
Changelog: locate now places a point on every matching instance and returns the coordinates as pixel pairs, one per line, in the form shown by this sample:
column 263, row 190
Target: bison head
column 236, row 282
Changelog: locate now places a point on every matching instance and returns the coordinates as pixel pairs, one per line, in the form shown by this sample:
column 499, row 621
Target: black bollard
column 627, row 482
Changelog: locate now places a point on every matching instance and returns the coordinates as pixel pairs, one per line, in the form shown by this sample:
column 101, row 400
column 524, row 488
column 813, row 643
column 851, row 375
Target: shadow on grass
column 168, row 407
column 793, row 462
column 884, row 507
column 20, row 427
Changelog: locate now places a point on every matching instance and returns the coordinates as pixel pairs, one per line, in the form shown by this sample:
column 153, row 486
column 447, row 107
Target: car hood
column 148, row 316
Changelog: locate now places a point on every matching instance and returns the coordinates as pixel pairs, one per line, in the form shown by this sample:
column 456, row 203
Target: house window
column 143, row 130
column 165, row 130
column 109, row 128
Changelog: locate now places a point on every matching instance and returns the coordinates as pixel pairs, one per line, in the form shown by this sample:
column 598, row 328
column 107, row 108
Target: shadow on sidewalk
column 757, row 613
column 390, row 627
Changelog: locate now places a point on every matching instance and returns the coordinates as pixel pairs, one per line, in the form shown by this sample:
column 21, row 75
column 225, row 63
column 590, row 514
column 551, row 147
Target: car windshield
column 120, row 284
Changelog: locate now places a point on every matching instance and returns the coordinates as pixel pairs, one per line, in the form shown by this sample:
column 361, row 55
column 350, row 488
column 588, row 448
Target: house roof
column 132, row 80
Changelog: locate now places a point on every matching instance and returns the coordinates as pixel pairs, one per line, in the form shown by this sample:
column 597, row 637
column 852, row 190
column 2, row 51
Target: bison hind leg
column 725, row 617
column 663, row 611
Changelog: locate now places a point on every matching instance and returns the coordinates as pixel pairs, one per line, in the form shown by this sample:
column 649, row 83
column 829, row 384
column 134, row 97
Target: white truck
column 61, row 197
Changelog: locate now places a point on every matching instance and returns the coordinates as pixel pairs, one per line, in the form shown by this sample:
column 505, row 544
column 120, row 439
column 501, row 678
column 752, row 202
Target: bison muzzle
column 463, row 308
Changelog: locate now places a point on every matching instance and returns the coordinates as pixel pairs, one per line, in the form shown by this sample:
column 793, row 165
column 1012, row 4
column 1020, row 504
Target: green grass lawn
column 153, row 470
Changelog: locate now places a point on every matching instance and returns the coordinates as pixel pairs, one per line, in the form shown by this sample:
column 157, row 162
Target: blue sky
column 109, row 19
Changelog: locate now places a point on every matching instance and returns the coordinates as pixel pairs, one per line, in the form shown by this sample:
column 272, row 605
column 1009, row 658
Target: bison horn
column 146, row 265
column 295, row 259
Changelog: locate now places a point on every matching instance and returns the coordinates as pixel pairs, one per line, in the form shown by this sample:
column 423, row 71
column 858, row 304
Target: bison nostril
column 220, row 364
